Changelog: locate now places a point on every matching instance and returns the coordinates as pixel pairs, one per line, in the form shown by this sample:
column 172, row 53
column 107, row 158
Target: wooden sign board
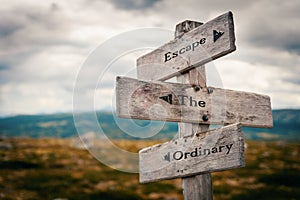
column 215, row 150
column 196, row 47
column 185, row 103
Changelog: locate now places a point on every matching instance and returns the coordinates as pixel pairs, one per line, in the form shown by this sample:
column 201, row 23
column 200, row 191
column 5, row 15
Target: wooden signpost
column 192, row 49
column 185, row 103
column 198, row 151
column 214, row 150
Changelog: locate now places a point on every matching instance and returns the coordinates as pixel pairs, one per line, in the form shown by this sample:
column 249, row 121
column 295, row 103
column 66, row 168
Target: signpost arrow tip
column 167, row 98
column 217, row 35
column 167, row 157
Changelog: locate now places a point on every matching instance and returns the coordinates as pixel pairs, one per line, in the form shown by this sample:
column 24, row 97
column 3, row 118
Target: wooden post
column 196, row 187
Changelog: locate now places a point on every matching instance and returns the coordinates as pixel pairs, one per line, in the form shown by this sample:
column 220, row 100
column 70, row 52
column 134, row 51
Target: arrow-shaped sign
column 193, row 49
column 215, row 150
column 147, row 100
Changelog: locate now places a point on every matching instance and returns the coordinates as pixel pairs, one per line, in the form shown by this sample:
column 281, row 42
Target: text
column 190, row 47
